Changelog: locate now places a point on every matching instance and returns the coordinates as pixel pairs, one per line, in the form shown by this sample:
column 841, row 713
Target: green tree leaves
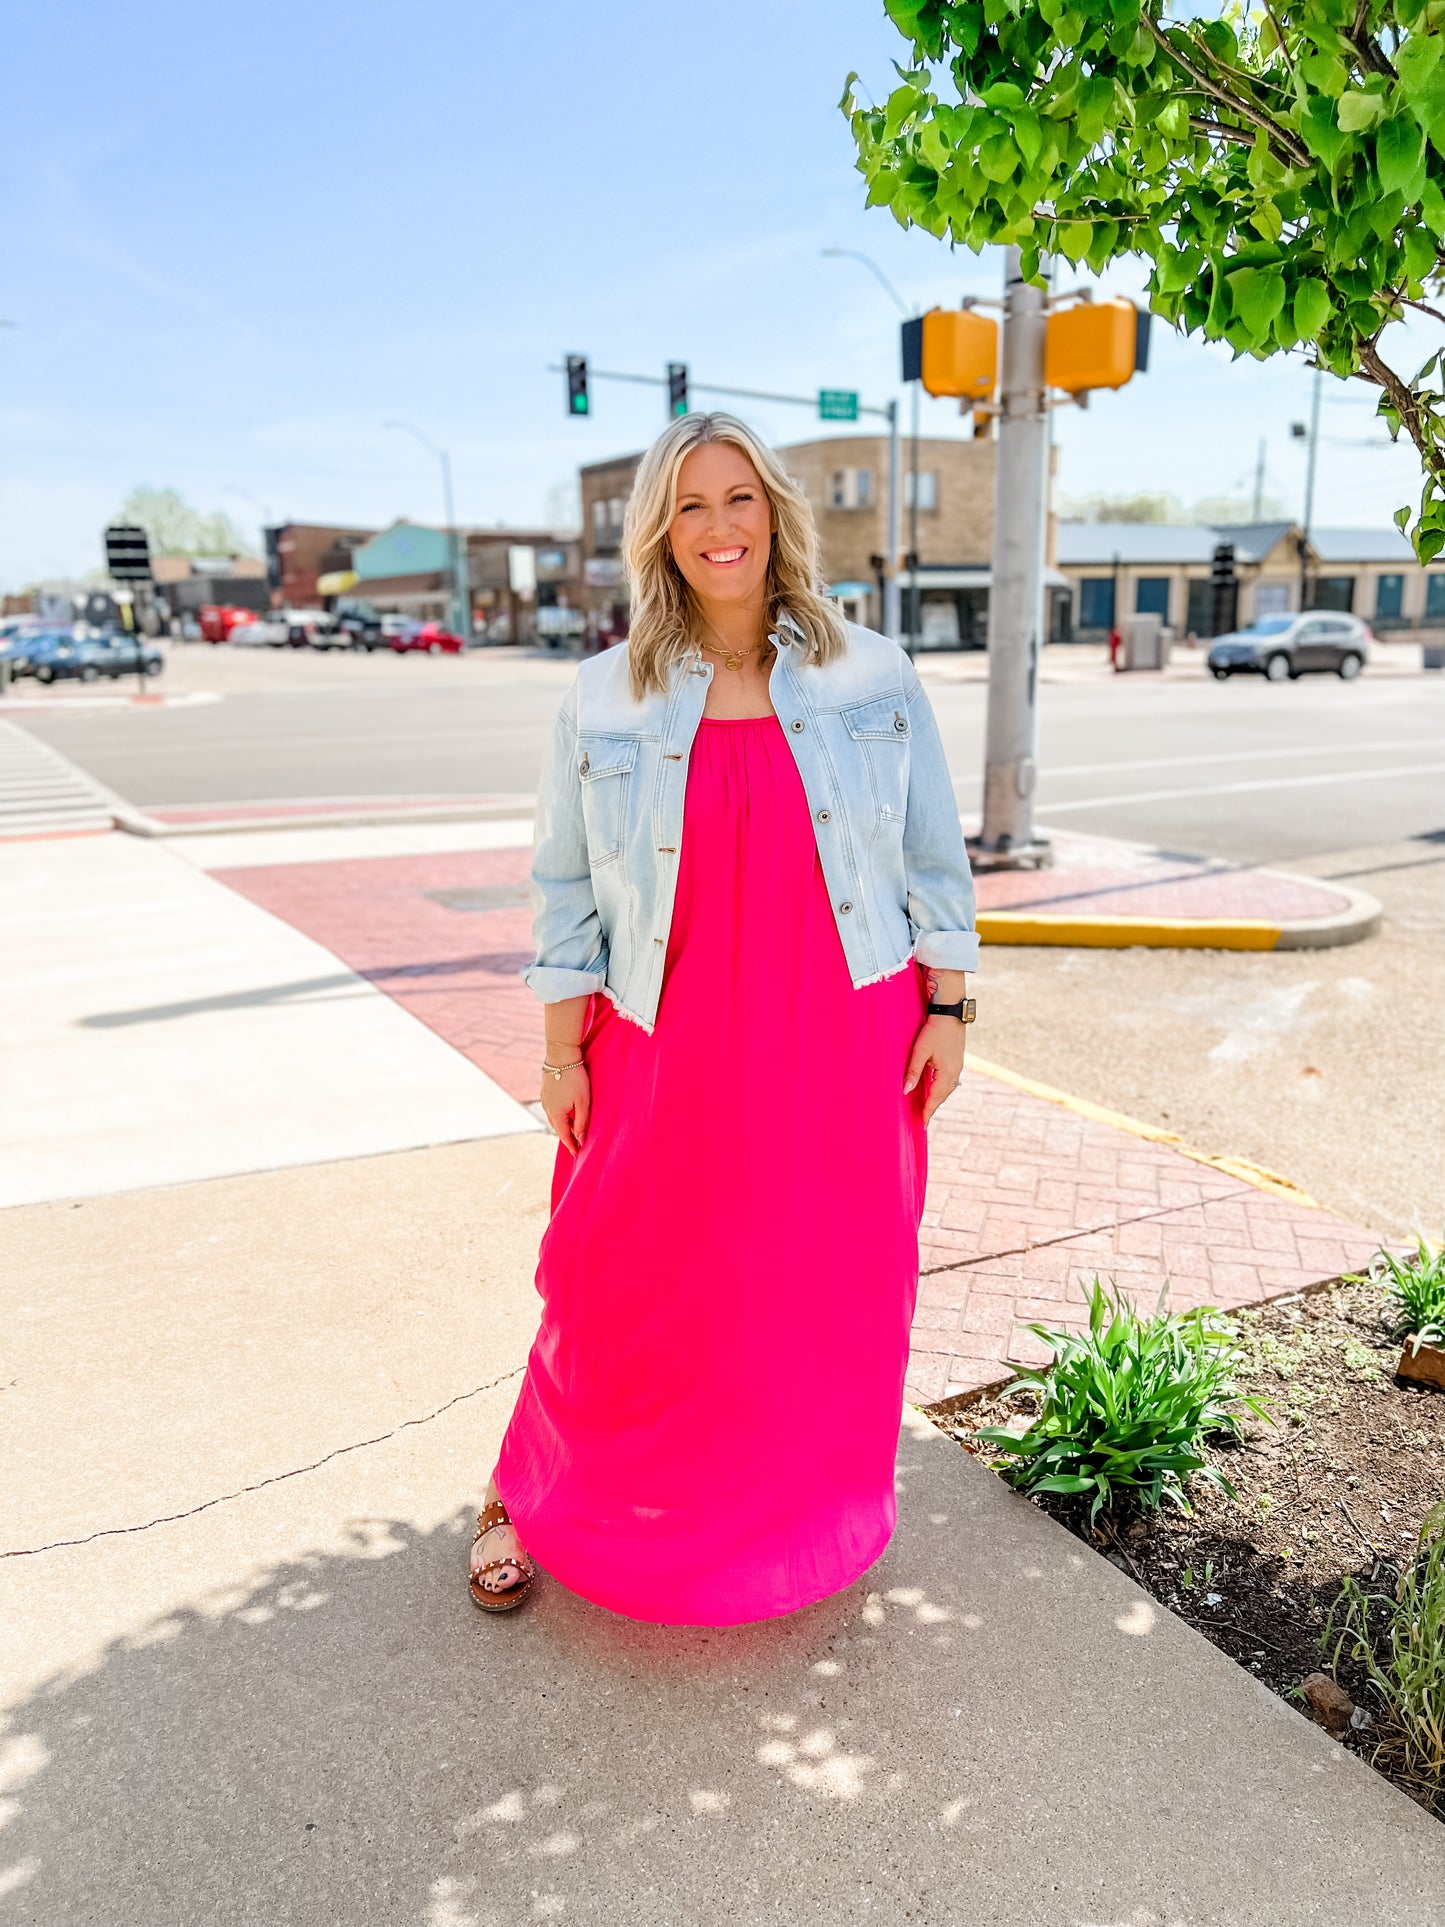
column 1282, row 172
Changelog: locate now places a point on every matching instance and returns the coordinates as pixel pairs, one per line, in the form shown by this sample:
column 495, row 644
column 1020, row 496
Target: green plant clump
column 1398, row 1638
column 1417, row 1287
column 1125, row 1408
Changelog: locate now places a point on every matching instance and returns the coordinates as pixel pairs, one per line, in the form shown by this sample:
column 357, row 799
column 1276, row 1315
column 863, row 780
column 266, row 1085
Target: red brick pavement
column 1026, row 1198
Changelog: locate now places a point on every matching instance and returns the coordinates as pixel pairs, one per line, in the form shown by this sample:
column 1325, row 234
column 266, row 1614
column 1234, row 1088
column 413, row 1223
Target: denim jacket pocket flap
column 880, row 717
column 606, row 756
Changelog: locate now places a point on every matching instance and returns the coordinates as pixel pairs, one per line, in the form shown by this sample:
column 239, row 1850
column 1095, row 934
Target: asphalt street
column 1244, row 770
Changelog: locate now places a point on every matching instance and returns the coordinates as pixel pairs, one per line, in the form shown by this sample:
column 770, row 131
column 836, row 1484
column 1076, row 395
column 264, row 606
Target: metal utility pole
column 1310, row 485
column 1259, row 483
column 1312, row 436
column 456, row 547
column 1016, row 597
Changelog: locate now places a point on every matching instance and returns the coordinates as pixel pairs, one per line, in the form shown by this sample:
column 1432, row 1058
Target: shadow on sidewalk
column 981, row 1731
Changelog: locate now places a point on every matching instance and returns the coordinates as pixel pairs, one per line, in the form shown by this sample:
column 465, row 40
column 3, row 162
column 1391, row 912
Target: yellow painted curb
column 1243, row 1168
column 1118, row 933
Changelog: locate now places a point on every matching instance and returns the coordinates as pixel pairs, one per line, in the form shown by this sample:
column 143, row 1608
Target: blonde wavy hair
column 665, row 625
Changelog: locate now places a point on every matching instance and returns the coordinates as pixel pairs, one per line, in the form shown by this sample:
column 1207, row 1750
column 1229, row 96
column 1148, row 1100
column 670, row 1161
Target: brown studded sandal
column 510, row 1597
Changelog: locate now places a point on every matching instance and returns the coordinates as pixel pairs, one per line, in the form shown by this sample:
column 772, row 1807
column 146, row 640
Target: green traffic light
column 579, row 404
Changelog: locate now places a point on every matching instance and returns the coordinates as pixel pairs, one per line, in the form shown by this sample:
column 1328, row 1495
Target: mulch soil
column 1339, row 1484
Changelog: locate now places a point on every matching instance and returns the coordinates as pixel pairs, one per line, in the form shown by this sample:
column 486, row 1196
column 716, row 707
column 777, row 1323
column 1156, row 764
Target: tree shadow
column 354, row 1741
column 349, row 1740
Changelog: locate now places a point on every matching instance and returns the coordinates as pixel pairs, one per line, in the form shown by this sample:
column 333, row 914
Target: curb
column 137, row 823
column 1359, row 918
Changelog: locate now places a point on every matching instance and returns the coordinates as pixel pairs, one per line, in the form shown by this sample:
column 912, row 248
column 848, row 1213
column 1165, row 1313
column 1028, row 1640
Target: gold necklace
column 732, row 658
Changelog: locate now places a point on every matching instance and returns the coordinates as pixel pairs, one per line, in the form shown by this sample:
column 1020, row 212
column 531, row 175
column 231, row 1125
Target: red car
column 219, row 619
column 433, row 637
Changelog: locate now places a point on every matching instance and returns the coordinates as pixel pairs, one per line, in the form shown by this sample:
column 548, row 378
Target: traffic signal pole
column 1016, row 595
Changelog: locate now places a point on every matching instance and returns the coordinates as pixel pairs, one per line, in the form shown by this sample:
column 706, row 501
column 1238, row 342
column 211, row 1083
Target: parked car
column 361, row 630
column 1281, row 647
column 42, row 653
column 218, row 620
column 63, row 656
column 119, row 654
column 432, row 637
column 295, row 626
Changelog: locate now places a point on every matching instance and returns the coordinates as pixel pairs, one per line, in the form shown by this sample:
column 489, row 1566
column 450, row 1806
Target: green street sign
column 838, row 404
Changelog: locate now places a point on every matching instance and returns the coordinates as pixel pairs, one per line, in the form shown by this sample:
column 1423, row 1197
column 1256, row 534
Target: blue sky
column 236, row 243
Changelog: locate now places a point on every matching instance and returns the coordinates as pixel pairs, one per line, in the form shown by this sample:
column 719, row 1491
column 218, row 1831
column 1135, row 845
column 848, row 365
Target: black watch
column 965, row 1010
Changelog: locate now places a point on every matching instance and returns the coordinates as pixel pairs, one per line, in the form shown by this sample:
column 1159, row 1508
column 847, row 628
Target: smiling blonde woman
column 754, row 916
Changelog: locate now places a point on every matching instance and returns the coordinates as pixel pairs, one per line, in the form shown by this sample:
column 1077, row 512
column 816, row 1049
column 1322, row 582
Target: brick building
column 605, row 487
column 300, row 553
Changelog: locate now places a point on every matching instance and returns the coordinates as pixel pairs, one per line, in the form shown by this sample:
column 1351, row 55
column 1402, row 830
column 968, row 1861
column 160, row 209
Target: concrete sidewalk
column 163, row 1029
column 256, row 1689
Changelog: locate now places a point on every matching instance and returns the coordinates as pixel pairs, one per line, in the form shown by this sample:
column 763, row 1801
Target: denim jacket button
column 825, row 816
column 845, row 908
column 797, row 722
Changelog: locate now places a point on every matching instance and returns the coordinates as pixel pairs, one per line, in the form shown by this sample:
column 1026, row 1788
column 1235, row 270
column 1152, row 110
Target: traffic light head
column 677, row 388
column 956, row 352
column 577, row 397
column 1094, row 344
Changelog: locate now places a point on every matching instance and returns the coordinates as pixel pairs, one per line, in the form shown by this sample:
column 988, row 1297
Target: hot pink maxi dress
column 707, row 1428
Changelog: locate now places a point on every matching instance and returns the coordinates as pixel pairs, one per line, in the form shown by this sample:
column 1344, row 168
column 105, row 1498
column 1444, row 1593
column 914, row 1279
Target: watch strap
column 965, row 1010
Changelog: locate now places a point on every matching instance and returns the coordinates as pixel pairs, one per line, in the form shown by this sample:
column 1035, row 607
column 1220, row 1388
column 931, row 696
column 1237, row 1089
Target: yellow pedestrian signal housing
column 1095, row 344
column 953, row 351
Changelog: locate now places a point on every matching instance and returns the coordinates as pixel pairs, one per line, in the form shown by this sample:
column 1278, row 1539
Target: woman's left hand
column 938, row 1048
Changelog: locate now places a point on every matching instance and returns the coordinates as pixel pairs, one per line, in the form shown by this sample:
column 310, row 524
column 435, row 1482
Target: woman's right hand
column 567, row 1100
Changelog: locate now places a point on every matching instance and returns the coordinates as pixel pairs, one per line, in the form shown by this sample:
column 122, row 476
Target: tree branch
column 1414, row 419
column 1214, row 129
column 1287, row 147
column 1372, row 55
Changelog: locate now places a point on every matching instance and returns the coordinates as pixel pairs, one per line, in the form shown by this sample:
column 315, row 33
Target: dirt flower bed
column 1338, row 1485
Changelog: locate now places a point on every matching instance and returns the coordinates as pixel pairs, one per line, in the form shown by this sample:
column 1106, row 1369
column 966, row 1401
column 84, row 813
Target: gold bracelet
column 557, row 1069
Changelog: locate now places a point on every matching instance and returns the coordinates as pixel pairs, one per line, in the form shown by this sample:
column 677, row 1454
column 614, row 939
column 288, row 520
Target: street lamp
column 456, row 549
column 855, row 254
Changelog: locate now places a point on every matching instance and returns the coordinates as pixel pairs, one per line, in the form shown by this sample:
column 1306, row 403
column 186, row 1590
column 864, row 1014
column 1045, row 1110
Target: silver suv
column 1281, row 647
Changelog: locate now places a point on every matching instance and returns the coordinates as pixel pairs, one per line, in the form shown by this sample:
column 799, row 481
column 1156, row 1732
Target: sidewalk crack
column 275, row 1478
column 1080, row 1231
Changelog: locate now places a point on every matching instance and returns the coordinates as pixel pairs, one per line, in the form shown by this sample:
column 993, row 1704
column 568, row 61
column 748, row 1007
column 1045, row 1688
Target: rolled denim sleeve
column 940, row 882
column 571, row 949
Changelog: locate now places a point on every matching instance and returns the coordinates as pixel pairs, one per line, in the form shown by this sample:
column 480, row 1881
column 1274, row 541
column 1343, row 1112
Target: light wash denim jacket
column 610, row 814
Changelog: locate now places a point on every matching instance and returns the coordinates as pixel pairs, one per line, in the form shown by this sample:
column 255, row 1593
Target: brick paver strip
column 1026, row 1199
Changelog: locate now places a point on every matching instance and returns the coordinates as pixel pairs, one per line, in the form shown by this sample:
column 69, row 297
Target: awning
column 337, row 583
column 849, row 590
